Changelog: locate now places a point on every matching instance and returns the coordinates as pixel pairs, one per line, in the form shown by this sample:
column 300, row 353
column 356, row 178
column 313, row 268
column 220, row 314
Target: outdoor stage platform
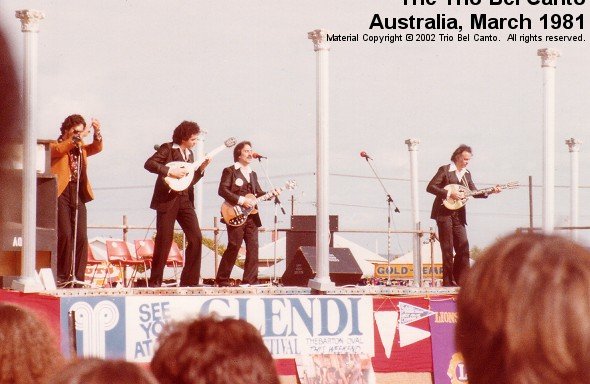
column 404, row 334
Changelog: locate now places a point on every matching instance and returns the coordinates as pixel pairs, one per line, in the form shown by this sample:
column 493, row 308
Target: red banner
column 402, row 335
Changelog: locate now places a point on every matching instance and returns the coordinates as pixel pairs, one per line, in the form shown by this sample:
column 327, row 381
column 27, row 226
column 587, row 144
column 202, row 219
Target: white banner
column 290, row 326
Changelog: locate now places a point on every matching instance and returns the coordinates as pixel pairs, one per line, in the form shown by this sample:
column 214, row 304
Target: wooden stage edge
column 256, row 290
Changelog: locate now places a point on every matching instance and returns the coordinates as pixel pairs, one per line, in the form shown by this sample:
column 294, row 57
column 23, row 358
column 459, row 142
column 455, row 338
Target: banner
column 128, row 327
column 447, row 362
column 402, row 335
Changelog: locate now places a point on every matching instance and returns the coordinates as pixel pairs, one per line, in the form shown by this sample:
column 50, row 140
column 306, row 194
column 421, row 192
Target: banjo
column 453, row 204
column 181, row 184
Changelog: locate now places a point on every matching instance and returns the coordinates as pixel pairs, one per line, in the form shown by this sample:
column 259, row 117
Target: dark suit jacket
column 163, row 195
column 442, row 178
column 231, row 192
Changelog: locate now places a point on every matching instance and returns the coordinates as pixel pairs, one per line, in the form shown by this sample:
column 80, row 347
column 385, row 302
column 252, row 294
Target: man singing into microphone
column 172, row 205
column 69, row 162
column 237, row 181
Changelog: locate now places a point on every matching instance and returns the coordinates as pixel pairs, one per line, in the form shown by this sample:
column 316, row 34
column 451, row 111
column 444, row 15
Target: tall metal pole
column 548, row 61
column 200, row 156
column 30, row 28
column 321, row 281
column 574, row 148
column 413, row 149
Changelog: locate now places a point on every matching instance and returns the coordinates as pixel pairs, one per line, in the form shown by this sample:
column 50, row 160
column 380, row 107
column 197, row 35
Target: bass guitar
column 466, row 193
column 236, row 215
column 181, row 184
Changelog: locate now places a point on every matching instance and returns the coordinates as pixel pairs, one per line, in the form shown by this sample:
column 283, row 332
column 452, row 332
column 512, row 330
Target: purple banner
column 448, row 367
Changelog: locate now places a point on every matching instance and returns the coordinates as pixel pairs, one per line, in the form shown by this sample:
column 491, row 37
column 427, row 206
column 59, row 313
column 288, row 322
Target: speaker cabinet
column 344, row 269
column 11, row 231
column 302, row 233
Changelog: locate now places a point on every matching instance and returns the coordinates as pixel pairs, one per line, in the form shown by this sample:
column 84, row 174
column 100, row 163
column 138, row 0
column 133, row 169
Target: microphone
column 367, row 157
column 156, row 147
column 258, row 156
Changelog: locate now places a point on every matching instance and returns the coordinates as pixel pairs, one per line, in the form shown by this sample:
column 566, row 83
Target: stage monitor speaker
column 344, row 270
column 302, row 233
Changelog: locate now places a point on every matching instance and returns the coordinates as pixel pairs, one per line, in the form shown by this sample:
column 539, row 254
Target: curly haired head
column 184, row 131
column 72, row 121
column 29, row 350
column 523, row 313
column 213, row 351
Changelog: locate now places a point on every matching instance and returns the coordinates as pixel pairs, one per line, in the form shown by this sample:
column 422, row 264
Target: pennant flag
column 410, row 335
column 409, row 313
column 386, row 324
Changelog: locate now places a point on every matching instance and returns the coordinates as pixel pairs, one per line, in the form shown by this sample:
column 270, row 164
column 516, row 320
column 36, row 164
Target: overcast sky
column 247, row 69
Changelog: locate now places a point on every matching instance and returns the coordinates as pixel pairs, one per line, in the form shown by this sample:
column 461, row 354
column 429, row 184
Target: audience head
column 523, row 313
column 28, row 350
column 212, row 351
column 99, row 371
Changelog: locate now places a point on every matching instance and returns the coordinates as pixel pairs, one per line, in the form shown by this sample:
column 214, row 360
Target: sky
column 247, row 69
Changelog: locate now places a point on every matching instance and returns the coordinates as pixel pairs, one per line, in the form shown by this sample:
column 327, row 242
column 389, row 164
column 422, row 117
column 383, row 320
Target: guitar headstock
column 512, row 185
column 230, row 142
column 290, row 184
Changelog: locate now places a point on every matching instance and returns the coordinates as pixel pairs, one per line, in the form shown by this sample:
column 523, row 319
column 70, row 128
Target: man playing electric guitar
column 172, row 205
column 237, row 181
column 451, row 223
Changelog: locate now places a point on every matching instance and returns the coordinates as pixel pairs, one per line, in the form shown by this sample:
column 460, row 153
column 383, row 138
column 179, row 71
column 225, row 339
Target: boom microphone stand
column 277, row 204
column 390, row 203
column 74, row 282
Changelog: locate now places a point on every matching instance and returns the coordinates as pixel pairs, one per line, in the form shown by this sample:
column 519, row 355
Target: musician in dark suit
column 69, row 162
column 451, row 223
column 174, row 206
column 237, row 181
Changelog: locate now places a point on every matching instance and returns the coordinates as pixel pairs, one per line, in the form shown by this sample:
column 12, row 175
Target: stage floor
column 373, row 290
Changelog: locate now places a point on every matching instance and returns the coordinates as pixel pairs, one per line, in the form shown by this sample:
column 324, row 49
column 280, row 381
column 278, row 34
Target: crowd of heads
column 206, row 350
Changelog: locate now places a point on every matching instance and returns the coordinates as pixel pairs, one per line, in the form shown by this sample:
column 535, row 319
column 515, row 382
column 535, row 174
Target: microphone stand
column 390, row 203
column 74, row 282
column 277, row 204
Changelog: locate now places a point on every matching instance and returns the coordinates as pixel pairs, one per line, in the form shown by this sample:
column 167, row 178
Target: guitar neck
column 215, row 151
column 209, row 155
column 486, row 190
column 266, row 196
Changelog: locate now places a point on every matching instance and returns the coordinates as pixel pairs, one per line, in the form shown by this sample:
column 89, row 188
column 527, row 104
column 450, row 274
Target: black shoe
column 223, row 284
column 154, row 284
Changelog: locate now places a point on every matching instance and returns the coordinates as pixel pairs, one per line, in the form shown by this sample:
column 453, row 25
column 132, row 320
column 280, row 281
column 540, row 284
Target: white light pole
column 321, row 281
column 413, row 149
column 200, row 156
column 574, row 148
column 30, row 27
column 548, row 61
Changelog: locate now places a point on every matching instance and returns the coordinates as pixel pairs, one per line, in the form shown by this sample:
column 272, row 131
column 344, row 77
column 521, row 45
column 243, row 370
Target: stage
column 404, row 333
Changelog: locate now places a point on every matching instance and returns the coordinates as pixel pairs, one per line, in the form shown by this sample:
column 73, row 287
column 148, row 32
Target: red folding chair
column 175, row 260
column 144, row 250
column 118, row 254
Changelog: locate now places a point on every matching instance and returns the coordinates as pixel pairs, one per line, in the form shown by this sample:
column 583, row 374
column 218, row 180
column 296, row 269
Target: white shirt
column 185, row 154
column 458, row 173
column 246, row 171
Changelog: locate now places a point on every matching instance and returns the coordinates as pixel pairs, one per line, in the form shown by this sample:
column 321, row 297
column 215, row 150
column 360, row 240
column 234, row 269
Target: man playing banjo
column 451, row 185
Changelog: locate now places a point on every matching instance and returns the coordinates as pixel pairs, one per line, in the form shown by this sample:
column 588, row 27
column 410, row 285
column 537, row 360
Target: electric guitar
column 467, row 193
column 181, row 184
column 236, row 215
